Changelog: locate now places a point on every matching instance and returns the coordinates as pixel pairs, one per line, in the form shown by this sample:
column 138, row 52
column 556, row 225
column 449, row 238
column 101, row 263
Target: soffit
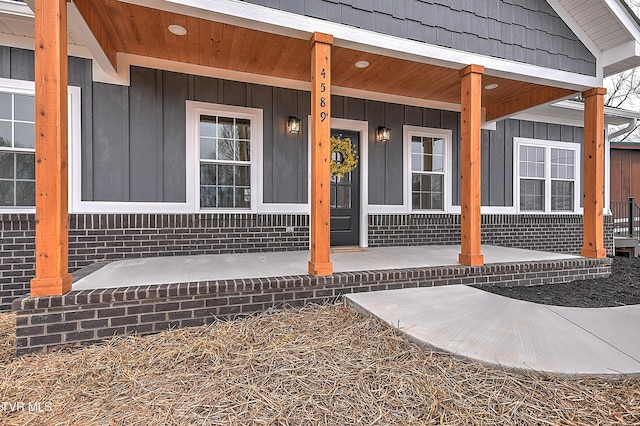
column 597, row 21
column 139, row 30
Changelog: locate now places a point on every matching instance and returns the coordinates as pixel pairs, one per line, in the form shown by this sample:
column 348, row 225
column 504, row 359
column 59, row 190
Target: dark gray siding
column 386, row 160
column 139, row 135
column 497, row 155
column 17, row 63
column 527, row 31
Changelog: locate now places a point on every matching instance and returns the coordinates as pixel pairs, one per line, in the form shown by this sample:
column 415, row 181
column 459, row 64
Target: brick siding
column 89, row 316
column 554, row 233
column 107, row 237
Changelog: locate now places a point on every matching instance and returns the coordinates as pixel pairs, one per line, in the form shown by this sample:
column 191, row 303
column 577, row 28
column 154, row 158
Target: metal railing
column 626, row 218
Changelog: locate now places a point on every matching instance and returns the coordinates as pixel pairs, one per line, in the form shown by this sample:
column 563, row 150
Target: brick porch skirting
column 107, row 237
column 89, row 316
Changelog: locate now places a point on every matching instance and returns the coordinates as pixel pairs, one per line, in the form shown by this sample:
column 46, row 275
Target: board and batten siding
column 527, row 31
column 497, row 155
column 134, row 138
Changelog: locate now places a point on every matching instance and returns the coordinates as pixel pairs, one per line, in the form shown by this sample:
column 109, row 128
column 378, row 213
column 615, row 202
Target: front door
column 345, row 199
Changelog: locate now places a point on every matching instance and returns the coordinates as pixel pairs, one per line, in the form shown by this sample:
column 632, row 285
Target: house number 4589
column 323, row 100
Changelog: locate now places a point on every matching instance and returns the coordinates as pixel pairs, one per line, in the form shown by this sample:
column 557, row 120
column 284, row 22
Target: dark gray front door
column 345, row 200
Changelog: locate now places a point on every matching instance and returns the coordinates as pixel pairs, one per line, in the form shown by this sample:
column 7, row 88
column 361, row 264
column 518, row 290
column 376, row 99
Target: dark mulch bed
column 621, row 288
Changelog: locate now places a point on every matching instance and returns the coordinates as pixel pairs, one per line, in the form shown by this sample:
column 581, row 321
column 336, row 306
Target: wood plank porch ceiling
column 137, row 30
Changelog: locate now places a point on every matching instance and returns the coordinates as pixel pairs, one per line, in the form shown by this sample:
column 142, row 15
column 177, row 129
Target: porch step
column 630, row 245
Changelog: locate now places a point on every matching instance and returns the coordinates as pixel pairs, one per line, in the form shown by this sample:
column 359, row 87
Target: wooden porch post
column 52, row 277
column 470, row 124
column 593, row 174
column 320, row 263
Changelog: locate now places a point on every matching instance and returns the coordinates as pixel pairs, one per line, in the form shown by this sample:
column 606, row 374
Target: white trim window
column 226, row 144
column 547, row 176
column 17, row 145
column 428, row 158
column 17, row 150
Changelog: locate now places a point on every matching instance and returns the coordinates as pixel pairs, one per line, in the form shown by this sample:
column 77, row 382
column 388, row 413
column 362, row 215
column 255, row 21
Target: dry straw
column 316, row 366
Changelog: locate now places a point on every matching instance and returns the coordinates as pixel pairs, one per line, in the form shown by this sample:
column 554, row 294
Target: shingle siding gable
column 527, row 31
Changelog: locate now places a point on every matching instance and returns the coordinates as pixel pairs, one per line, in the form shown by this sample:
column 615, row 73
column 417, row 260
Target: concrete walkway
column 512, row 334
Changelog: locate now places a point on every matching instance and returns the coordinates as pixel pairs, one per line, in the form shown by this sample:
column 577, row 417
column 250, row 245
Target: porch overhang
column 128, row 27
column 233, row 36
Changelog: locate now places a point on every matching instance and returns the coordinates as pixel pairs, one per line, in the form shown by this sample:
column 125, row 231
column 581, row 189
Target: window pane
column 427, row 163
column 343, row 197
column 438, row 147
column 437, row 201
column 208, row 127
column 25, row 193
column 226, row 128
column 333, row 190
column 208, row 149
column 7, row 170
column 5, row 133
column 6, row 105
column 425, row 200
column 25, row 136
column 425, row 183
column 531, row 161
column 243, row 129
column 6, row 192
column 25, row 108
column 243, row 175
column 25, row 166
column 563, row 163
column 243, row 198
column 436, row 184
column 225, row 196
column 438, row 164
column 244, row 151
column 416, row 163
column 208, row 174
column 532, row 195
column 225, row 175
column 225, row 150
column 415, row 201
column 562, row 195
column 415, row 183
column 208, row 196
column 416, row 145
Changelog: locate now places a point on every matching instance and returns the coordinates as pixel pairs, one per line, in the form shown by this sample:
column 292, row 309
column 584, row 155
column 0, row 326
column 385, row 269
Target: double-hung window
column 226, row 155
column 547, row 174
column 429, row 158
column 17, row 150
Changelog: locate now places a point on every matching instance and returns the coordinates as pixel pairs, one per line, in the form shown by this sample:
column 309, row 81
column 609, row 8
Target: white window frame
column 28, row 88
column 447, row 136
column 548, row 145
column 194, row 111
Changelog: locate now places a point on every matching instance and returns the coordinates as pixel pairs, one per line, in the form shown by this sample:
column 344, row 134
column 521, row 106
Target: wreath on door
column 346, row 159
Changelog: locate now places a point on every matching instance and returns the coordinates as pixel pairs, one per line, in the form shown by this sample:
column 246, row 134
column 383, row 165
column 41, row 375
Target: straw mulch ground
column 316, row 366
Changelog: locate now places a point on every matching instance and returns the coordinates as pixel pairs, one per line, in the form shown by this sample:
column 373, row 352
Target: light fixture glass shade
column 384, row 134
column 294, row 125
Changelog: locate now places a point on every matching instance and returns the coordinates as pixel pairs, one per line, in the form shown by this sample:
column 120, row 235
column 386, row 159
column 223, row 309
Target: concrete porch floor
column 177, row 269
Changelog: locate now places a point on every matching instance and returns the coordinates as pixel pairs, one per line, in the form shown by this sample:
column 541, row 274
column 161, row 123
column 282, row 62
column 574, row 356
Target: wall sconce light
column 294, row 125
column 384, row 134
